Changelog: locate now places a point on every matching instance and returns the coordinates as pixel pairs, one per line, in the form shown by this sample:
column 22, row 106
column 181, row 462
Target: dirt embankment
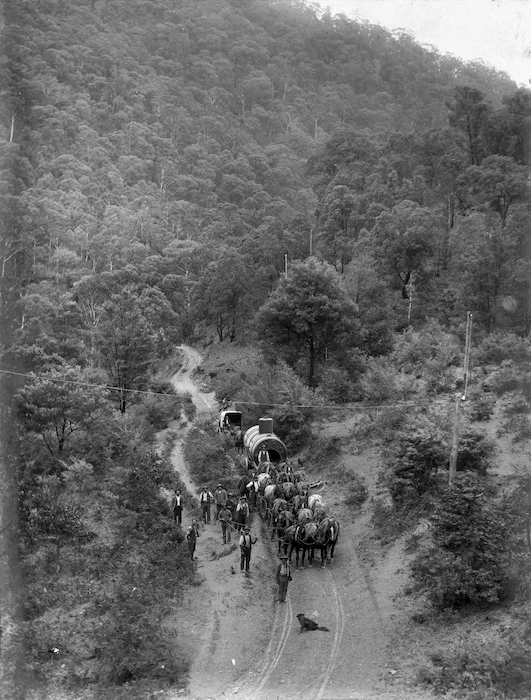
column 244, row 644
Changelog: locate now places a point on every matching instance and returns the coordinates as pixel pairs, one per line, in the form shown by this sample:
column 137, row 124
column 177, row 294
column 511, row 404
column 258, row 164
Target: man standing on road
column 252, row 490
column 220, row 499
column 242, row 513
column 225, row 517
column 191, row 539
column 246, row 545
column 205, row 499
column 177, row 507
column 231, row 502
column 283, row 577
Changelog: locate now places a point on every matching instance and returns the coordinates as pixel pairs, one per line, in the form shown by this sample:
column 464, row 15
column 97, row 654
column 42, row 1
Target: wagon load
column 230, row 421
column 262, row 445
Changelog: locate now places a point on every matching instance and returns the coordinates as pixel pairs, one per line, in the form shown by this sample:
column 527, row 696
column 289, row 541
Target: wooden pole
column 455, row 437
column 467, row 351
column 410, row 305
column 455, row 442
column 286, row 266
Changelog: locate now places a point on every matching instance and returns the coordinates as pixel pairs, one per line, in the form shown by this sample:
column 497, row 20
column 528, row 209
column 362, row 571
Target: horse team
column 297, row 518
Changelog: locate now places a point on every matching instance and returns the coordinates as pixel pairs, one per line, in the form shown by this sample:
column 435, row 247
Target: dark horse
column 283, row 521
column 327, row 536
column 301, row 537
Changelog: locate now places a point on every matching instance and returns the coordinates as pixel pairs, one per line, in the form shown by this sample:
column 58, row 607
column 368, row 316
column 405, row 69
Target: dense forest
column 203, row 171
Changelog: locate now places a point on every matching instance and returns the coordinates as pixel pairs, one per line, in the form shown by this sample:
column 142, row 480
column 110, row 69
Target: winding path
column 275, row 661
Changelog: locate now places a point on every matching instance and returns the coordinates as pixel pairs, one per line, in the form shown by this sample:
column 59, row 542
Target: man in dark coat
column 283, row 577
column 225, row 518
column 177, row 507
column 220, row 499
column 191, row 539
column 246, row 545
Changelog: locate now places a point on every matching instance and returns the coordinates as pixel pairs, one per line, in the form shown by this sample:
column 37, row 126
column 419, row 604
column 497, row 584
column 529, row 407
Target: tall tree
column 307, row 317
column 469, row 113
column 59, row 403
column 402, row 242
column 125, row 344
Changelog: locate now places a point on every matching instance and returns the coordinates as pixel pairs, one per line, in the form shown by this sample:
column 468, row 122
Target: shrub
column 206, row 458
column 497, row 347
column 383, row 382
column 471, row 557
column 508, row 377
column 337, row 386
column 475, row 453
column 357, row 490
column 481, row 406
column 501, row 668
column 159, row 410
column 413, row 466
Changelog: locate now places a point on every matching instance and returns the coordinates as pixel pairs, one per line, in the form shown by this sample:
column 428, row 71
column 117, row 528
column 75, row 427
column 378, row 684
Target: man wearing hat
column 205, row 499
column 220, row 499
column 177, row 507
column 246, row 545
column 283, row 577
column 231, row 502
column 242, row 513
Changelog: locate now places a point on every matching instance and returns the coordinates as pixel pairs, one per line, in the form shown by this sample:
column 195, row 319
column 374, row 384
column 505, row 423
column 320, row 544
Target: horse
column 303, row 488
column 271, row 492
column 284, row 520
column 298, row 502
column 314, row 499
column 304, row 537
column 264, row 480
column 304, row 515
column 327, row 537
column 288, row 490
column 319, row 513
column 279, row 505
column 268, row 468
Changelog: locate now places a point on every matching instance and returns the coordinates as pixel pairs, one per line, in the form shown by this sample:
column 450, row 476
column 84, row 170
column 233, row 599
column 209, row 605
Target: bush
column 357, row 490
column 481, row 406
column 498, row 347
column 476, row 452
column 337, row 386
column 413, row 466
column 500, row 669
column 383, row 382
column 207, row 461
column 472, row 555
column 508, row 377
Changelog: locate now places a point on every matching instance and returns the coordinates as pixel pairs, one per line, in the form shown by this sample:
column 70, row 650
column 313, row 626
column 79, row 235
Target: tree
column 469, row 114
column 307, row 317
column 125, row 344
column 220, row 294
column 58, row 403
column 499, row 181
column 402, row 241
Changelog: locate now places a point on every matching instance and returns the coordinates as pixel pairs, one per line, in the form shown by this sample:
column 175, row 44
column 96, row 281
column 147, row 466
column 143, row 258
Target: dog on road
column 307, row 624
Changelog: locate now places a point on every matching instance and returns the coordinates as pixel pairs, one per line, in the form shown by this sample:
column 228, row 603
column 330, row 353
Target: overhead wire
column 332, row 407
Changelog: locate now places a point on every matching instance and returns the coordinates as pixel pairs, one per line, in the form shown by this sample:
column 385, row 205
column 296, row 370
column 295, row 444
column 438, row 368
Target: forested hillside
column 330, row 195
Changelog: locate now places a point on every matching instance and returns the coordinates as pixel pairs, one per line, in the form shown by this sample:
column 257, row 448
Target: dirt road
column 245, row 645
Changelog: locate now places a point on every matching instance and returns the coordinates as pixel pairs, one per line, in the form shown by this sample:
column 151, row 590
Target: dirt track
column 245, row 645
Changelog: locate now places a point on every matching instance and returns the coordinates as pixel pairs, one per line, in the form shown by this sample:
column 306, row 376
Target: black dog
column 307, row 624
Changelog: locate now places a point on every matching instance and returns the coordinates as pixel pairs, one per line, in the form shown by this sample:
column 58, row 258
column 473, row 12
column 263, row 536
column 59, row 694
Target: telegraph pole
column 410, row 305
column 458, row 401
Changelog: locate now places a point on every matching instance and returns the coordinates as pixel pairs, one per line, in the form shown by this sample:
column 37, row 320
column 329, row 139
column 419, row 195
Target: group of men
column 231, row 515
